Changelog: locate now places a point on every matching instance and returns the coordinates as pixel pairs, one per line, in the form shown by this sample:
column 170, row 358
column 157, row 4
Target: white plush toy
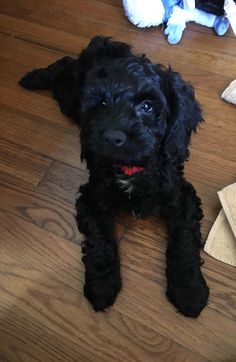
column 144, row 13
column 175, row 13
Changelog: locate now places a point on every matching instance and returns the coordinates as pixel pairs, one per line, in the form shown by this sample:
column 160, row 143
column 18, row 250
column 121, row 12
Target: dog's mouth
column 131, row 170
column 128, row 170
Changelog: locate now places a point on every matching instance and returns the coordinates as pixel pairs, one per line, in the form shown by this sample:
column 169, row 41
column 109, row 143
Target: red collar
column 129, row 171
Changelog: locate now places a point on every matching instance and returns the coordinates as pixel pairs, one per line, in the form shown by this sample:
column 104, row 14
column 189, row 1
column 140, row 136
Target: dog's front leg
column 186, row 287
column 102, row 265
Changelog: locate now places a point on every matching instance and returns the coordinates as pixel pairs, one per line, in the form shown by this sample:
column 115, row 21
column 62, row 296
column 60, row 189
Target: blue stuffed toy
column 176, row 13
column 179, row 12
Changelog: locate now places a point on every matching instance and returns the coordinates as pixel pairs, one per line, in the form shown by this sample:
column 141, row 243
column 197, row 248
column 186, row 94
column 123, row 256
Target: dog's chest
column 126, row 185
column 140, row 203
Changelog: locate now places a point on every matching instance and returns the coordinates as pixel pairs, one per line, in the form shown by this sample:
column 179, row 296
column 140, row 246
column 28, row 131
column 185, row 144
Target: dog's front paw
column 102, row 291
column 189, row 299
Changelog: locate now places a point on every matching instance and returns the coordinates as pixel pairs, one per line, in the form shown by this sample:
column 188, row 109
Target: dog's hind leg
column 62, row 78
column 43, row 78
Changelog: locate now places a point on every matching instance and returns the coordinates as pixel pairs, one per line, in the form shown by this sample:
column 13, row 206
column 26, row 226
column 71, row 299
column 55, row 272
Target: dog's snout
column 114, row 138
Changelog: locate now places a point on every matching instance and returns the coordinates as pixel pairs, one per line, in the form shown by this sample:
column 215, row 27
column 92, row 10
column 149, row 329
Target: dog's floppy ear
column 184, row 114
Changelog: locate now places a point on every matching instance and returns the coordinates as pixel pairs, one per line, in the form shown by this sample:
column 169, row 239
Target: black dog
column 136, row 120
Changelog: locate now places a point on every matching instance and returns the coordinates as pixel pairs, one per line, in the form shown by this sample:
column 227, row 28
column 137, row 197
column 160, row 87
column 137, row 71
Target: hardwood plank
column 221, row 278
column 57, row 12
column 37, row 134
column 22, row 164
column 143, row 249
column 222, row 138
column 39, row 104
column 18, row 333
column 48, row 303
column 63, row 181
column 205, row 166
column 42, row 35
column 38, row 208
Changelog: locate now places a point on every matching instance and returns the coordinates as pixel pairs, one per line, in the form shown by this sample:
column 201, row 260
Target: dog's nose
column 114, row 138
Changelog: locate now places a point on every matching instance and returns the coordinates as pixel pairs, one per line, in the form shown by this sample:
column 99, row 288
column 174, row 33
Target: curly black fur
column 131, row 113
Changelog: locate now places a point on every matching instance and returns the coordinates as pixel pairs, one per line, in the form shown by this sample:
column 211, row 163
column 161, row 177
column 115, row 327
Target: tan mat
column 221, row 241
column 229, row 93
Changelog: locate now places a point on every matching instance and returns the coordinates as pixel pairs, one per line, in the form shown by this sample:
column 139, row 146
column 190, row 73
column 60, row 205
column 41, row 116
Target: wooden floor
column 43, row 314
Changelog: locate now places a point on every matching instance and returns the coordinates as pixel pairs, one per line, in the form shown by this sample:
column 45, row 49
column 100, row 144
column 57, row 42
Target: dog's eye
column 147, row 106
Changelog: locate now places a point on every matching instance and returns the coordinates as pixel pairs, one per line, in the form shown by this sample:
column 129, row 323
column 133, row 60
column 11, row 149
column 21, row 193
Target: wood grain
column 39, row 208
column 39, row 135
column 63, row 181
column 21, row 163
column 43, row 314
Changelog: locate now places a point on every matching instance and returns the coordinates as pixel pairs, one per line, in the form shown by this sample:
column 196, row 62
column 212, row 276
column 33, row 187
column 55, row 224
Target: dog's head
column 132, row 110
